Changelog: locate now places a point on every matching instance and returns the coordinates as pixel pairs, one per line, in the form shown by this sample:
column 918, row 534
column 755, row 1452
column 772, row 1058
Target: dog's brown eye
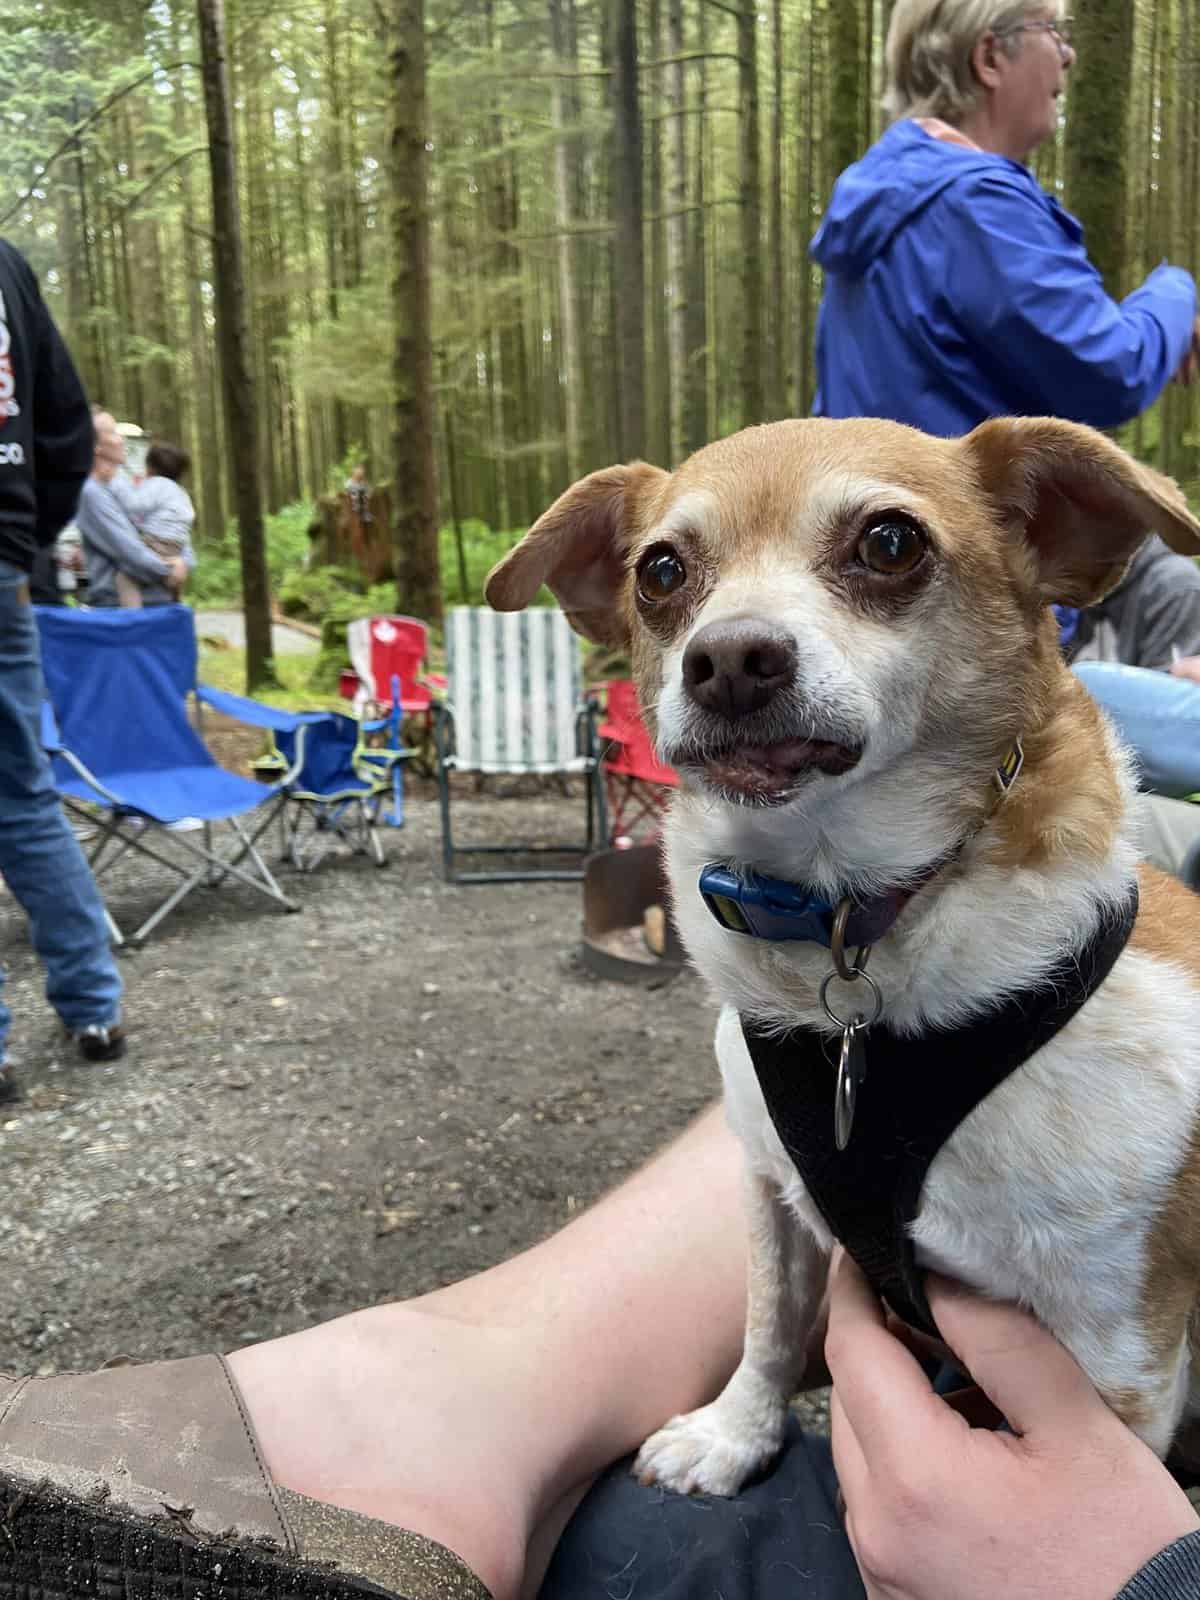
column 660, row 572
column 891, row 546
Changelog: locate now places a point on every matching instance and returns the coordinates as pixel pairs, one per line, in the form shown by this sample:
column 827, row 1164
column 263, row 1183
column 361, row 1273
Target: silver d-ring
column 837, row 944
column 858, row 1020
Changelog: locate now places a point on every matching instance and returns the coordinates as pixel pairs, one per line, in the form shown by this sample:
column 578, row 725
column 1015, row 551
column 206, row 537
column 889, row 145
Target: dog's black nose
column 735, row 667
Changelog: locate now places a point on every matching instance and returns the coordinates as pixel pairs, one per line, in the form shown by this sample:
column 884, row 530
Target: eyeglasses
column 1060, row 32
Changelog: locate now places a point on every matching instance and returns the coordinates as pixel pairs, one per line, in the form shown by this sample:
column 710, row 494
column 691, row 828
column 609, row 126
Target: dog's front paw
column 710, row 1451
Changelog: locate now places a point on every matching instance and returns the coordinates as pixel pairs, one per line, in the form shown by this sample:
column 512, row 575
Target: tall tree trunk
column 349, row 210
column 418, row 577
column 1146, row 191
column 165, row 411
column 331, row 205
column 71, row 254
column 630, row 273
column 241, row 417
column 658, row 373
column 193, row 255
column 778, row 333
column 605, row 323
column 129, row 310
column 568, row 322
column 95, row 375
column 845, row 87
column 1188, row 243
column 677, row 230
column 700, row 409
column 753, row 404
column 519, row 423
column 1168, row 230
column 313, row 433
column 1096, row 145
column 804, row 212
column 256, row 136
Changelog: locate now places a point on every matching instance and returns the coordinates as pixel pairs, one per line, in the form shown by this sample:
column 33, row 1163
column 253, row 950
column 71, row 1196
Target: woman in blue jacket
column 956, row 289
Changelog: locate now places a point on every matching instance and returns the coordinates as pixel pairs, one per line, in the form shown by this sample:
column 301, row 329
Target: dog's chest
column 1049, row 1191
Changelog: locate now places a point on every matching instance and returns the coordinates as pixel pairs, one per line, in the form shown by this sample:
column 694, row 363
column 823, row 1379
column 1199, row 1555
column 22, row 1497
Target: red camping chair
column 637, row 785
column 388, row 655
column 387, row 682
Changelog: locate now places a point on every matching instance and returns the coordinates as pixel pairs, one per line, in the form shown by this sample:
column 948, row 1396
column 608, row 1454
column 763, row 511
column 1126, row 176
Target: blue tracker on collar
column 765, row 908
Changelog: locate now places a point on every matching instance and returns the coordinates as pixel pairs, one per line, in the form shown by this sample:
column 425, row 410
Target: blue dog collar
column 772, row 908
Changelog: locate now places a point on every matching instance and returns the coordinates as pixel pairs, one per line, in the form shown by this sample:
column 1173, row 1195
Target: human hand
column 1187, row 667
column 1066, row 1507
column 1187, row 368
column 177, row 572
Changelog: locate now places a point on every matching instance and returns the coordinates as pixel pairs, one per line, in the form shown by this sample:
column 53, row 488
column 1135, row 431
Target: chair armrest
column 254, row 712
column 50, row 736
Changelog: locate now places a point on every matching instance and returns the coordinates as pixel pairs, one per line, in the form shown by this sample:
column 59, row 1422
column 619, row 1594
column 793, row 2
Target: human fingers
column 1035, row 1383
column 882, row 1389
column 924, row 1346
column 853, row 1474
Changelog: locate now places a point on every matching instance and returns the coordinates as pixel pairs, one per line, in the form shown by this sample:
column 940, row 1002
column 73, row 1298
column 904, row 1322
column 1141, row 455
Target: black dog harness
column 915, row 1092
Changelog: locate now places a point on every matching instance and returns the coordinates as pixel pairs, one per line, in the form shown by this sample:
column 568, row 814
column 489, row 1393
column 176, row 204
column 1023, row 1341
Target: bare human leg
column 478, row 1414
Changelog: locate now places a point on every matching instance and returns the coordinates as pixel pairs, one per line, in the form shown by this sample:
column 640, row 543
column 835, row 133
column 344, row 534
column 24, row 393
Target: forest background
column 486, row 246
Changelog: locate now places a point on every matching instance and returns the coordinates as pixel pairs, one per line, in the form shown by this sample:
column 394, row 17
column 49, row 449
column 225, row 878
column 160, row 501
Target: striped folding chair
column 515, row 705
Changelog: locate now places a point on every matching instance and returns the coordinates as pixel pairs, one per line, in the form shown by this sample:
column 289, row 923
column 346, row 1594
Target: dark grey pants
column 781, row 1537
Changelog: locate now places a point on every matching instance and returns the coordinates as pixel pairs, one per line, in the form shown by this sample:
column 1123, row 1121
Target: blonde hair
column 928, row 53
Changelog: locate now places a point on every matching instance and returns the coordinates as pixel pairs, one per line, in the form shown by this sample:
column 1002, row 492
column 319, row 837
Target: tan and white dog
column 838, row 630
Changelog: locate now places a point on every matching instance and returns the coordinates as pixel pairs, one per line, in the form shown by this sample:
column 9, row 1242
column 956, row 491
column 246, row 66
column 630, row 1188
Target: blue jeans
column 1157, row 715
column 781, row 1538
column 40, row 858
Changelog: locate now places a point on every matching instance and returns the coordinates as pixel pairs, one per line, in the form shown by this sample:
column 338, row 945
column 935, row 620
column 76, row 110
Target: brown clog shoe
column 146, row 1482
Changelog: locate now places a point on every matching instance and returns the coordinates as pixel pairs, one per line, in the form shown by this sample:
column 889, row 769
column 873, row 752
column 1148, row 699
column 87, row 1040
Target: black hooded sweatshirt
column 46, row 434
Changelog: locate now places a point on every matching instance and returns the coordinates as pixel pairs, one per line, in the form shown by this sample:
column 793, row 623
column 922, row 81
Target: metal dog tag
column 852, row 1069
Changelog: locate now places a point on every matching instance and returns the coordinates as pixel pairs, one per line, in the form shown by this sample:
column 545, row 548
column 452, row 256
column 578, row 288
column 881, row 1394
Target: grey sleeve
column 1173, row 1574
column 1168, row 615
column 106, row 527
column 125, row 492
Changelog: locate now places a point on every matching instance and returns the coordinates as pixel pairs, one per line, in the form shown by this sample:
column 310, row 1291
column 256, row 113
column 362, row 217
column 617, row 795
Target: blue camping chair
column 128, row 760
column 339, row 788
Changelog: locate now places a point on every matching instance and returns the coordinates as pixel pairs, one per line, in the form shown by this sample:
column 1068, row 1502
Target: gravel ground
column 402, row 1084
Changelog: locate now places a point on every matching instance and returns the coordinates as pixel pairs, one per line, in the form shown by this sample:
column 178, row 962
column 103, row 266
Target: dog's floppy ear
column 1084, row 504
column 578, row 549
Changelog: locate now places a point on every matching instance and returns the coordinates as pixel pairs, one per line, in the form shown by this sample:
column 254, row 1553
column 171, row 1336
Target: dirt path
column 231, row 627
column 401, row 1084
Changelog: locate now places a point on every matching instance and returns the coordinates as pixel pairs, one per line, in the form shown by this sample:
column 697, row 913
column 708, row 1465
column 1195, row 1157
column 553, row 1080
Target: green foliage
column 318, row 594
column 482, row 548
column 217, row 580
column 313, row 594
column 225, row 668
column 346, row 359
column 344, row 609
column 287, row 539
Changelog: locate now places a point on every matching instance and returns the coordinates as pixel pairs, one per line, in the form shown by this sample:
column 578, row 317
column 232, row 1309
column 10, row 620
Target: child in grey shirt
column 161, row 509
